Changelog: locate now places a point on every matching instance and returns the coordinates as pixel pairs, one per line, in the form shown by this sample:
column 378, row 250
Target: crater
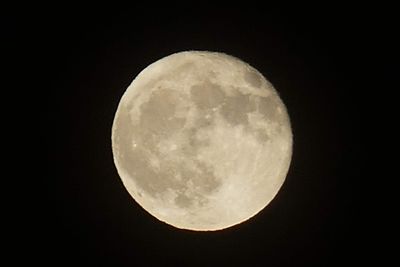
column 269, row 107
column 183, row 201
column 207, row 95
column 253, row 78
column 133, row 161
column 234, row 109
column 158, row 114
column 199, row 181
column 206, row 182
column 195, row 143
column 172, row 172
column 261, row 135
column 139, row 162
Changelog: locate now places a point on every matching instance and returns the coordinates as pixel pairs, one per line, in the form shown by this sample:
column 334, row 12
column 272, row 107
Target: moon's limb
column 201, row 140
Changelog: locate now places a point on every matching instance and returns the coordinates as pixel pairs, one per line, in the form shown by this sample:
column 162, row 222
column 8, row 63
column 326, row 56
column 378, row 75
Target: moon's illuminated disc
column 201, row 140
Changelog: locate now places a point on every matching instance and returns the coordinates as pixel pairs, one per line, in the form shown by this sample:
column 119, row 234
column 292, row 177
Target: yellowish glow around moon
column 201, row 140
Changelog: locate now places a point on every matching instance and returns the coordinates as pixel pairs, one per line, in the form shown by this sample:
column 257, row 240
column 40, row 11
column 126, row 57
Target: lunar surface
column 201, row 140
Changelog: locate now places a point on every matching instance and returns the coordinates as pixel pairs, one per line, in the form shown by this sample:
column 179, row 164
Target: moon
column 201, row 140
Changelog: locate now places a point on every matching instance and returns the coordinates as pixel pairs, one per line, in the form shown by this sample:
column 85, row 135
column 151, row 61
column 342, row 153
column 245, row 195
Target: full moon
column 201, row 140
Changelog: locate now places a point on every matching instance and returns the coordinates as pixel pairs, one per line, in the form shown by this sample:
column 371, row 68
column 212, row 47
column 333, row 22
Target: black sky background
column 312, row 57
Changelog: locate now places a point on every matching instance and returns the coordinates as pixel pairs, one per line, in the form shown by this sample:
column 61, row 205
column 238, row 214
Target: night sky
column 311, row 58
